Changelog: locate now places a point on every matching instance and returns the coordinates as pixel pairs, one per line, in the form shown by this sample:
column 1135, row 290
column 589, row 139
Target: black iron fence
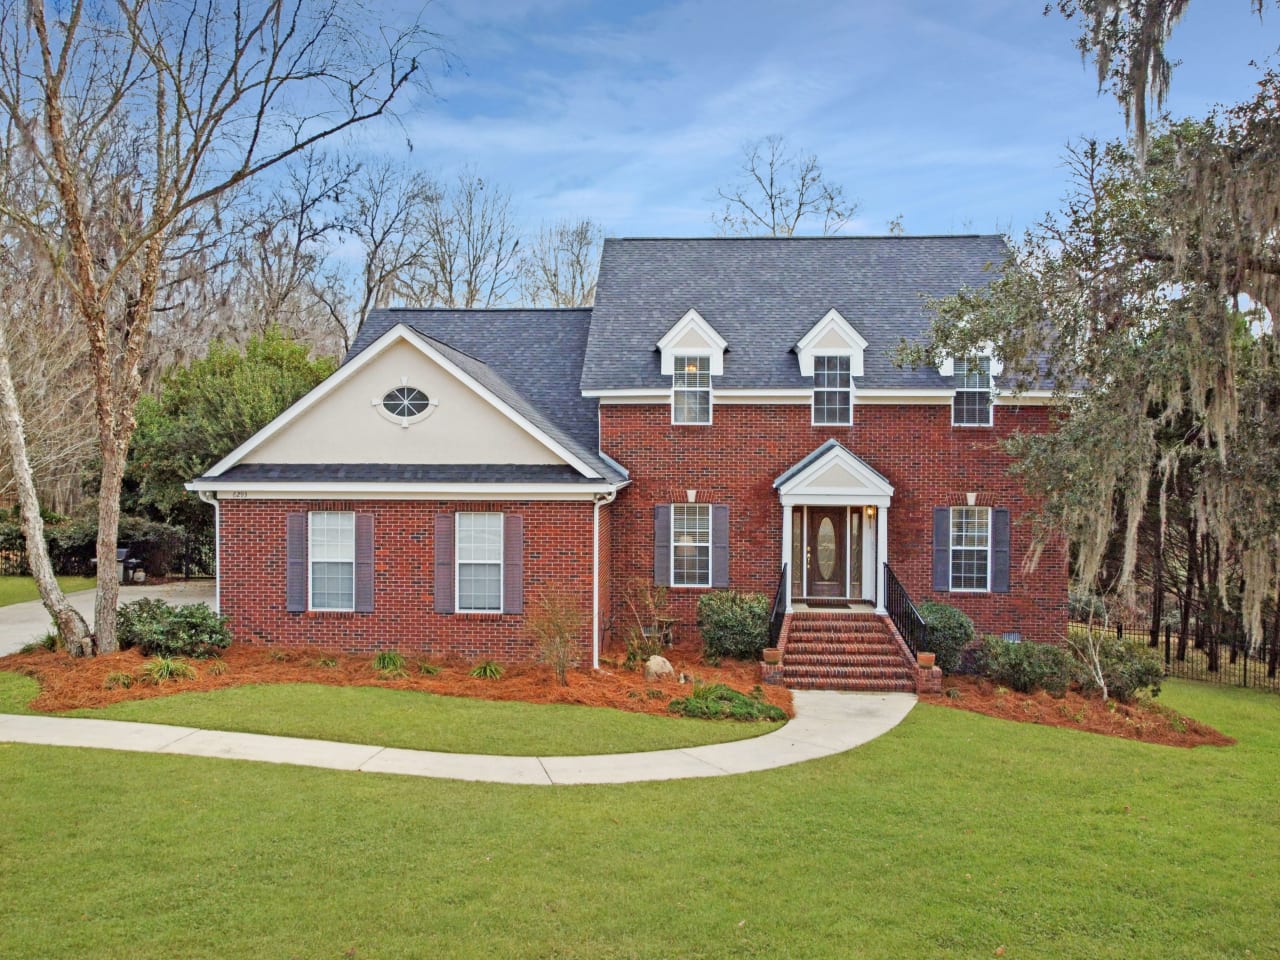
column 1194, row 656
column 194, row 556
column 779, row 611
column 904, row 614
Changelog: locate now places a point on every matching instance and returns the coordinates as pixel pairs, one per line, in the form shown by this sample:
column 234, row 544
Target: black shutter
column 364, row 563
column 1000, row 551
column 443, row 585
column 942, row 549
column 662, row 544
column 719, row 546
column 295, row 590
column 512, row 564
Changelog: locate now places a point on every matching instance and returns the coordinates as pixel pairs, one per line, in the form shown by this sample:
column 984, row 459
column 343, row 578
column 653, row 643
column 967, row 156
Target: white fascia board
column 399, row 332
column 875, row 488
column 716, row 344
column 232, row 490
column 820, row 498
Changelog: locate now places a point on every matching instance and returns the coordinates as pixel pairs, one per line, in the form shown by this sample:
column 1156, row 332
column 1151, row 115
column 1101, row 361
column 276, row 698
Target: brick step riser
column 852, row 686
column 839, row 660
column 801, row 649
column 862, row 632
column 845, row 673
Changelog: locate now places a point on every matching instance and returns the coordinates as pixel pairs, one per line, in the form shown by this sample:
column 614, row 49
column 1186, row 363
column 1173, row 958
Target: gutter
column 599, row 501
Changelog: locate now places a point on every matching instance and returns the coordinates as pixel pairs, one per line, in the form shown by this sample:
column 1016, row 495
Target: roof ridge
column 859, row 236
column 480, row 309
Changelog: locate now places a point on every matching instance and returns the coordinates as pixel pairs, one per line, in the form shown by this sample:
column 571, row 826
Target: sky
column 954, row 116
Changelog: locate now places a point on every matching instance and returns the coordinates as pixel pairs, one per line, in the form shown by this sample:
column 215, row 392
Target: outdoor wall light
column 870, row 511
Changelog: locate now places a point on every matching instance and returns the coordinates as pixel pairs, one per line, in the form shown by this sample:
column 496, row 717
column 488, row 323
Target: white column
column 882, row 555
column 786, row 551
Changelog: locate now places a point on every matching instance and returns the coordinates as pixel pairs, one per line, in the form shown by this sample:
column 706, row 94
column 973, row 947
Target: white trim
column 946, row 364
column 951, row 548
column 711, row 413
column 831, row 321
column 813, row 397
column 874, row 490
column 311, row 561
column 595, row 577
column 266, row 490
column 457, row 562
column 711, row 549
column 692, row 321
column 880, row 396
column 396, row 334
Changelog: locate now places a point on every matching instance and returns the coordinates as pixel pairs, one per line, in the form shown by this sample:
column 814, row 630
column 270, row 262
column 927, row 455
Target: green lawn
column 421, row 721
column 20, row 589
column 952, row 836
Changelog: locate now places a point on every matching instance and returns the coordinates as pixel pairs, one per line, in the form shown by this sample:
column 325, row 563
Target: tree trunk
column 1157, row 590
column 104, row 611
column 73, row 632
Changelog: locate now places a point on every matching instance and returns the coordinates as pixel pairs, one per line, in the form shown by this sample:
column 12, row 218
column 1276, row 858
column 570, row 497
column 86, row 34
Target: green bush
column 488, row 670
column 156, row 628
column 157, row 670
column 1026, row 667
column 734, row 624
column 950, row 630
column 715, row 701
column 1127, row 668
column 390, row 663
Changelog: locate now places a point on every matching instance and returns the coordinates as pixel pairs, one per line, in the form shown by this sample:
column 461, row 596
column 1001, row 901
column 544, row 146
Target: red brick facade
column 557, row 556
column 735, row 460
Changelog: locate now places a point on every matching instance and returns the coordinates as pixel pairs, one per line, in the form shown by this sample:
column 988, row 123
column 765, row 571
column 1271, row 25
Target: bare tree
column 778, row 192
column 137, row 115
column 560, row 265
column 391, row 215
column 475, row 248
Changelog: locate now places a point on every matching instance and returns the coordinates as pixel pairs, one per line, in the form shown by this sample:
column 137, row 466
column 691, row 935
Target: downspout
column 599, row 500
column 212, row 499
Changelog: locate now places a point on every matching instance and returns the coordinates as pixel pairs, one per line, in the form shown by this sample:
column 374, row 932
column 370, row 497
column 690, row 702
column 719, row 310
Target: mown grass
column 952, row 836
column 21, row 589
column 422, row 721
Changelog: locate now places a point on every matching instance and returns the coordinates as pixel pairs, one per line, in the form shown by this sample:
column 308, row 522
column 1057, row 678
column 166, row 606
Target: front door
column 828, row 551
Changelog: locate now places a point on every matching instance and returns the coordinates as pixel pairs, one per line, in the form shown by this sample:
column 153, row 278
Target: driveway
column 20, row 623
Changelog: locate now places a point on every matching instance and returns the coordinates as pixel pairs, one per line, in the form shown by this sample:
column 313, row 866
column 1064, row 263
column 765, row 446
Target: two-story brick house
column 728, row 414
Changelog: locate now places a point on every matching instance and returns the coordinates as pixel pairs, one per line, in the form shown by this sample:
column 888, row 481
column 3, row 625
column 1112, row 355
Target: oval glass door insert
column 826, row 549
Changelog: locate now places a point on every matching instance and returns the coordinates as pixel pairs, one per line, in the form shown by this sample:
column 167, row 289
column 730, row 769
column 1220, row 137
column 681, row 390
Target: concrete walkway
column 21, row 623
column 825, row 723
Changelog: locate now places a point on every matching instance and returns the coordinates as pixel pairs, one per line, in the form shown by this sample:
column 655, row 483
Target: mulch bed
column 1148, row 722
column 68, row 683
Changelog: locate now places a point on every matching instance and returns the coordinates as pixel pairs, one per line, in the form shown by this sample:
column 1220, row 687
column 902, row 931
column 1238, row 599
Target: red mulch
column 1150, row 723
column 68, row 683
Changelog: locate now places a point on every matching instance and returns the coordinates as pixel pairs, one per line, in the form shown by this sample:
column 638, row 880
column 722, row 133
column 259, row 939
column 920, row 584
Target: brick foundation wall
column 557, row 554
column 735, row 460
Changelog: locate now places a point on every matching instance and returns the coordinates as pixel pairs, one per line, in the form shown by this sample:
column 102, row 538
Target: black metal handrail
column 779, row 611
column 904, row 614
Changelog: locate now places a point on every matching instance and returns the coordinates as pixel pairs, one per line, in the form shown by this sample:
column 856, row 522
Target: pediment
column 832, row 335
column 832, row 473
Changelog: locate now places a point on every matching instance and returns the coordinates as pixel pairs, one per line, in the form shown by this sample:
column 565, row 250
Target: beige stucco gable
column 346, row 425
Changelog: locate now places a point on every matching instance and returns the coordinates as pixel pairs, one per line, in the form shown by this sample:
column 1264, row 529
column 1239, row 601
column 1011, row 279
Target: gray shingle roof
column 763, row 294
column 531, row 359
column 518, row 473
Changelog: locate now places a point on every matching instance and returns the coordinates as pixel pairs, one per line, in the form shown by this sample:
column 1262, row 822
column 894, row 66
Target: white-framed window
column 691, row 390
column 832, row 390
column 691, row 544
column 972, row 404
column 971, row 549
column 479, row 562
column 331, row 548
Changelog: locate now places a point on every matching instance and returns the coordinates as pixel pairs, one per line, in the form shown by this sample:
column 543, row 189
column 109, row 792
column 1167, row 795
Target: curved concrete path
column 825, row 723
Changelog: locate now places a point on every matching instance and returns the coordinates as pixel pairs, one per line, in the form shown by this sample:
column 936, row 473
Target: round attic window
column 405, row 404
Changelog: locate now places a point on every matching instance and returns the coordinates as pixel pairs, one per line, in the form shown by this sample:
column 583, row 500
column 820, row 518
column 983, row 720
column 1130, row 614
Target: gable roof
column 764, row 294
column 530, row 359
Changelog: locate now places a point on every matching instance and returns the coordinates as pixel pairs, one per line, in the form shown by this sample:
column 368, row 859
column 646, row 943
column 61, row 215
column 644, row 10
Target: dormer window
column 691, row 389
column 832, row 391
column 972, row 404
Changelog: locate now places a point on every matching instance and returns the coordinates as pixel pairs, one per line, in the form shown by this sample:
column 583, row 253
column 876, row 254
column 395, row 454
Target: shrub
column 950, row 630
column 118, row 680
column 487, row 670
column 159, row 669
column 155, row 627
column 1126, row 669
column 555, row 621
column 389, row 663
column 1026, row 667
column 733, row 624
column 716, row 701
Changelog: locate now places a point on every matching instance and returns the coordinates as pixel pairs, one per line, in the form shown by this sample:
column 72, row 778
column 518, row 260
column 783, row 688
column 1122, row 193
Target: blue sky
column 954, row 115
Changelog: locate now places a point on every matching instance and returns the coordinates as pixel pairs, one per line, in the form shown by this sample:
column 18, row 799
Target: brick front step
column 852, row 685
column 832, row 651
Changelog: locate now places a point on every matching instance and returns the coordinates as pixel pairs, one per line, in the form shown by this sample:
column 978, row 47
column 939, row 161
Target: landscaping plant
column 155, row 627
column 950, row 631
column 715, row 701
column 159, row 669
column 390, row 663
column 488, row 670
column 1026, row 667
column 556, row 623
column 733, row 624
